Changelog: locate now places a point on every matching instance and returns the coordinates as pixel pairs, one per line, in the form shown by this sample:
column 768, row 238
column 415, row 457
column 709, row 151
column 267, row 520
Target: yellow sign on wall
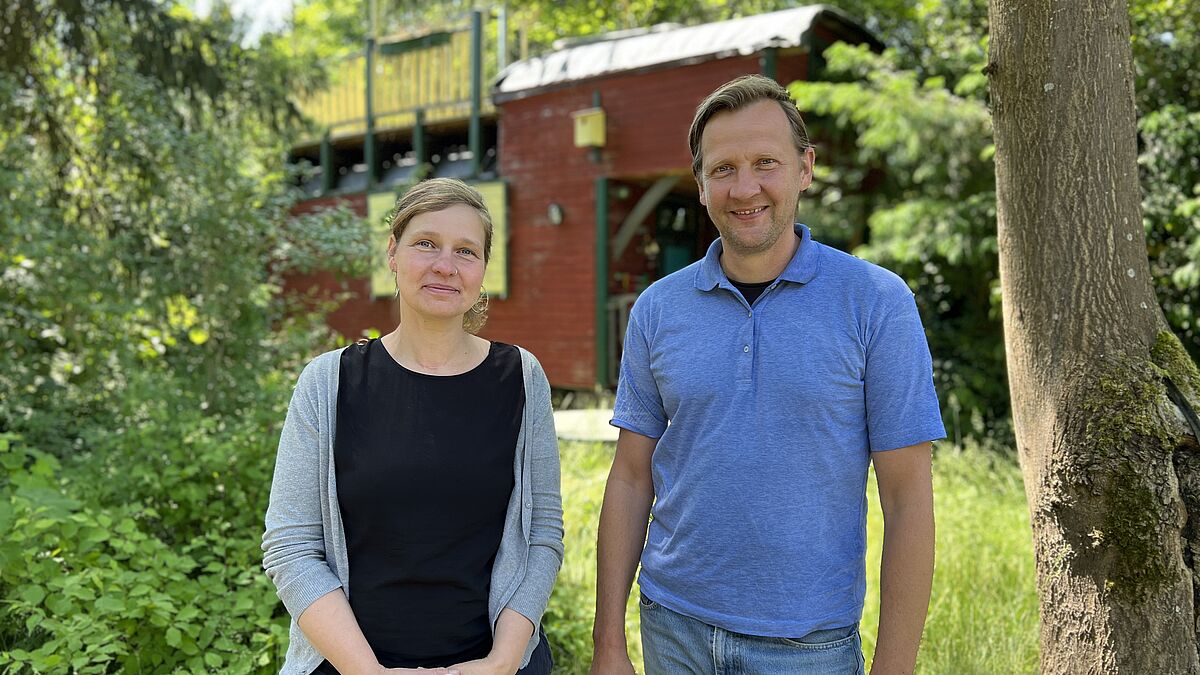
column 589, row 128
column 495, row 280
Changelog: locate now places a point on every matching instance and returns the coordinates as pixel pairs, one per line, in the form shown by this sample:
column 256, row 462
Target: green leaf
column 33, row 594
column 6, row 515
column 60, row 605
column 110, row 604
column 174, row 637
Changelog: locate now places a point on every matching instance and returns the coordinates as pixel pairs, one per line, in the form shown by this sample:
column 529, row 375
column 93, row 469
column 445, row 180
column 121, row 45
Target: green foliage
column 146, row 358
column 331, row 239
column 141, row 234
column 1166, row 39
column 202, row 62
column 1170, row 168
column 89, row 589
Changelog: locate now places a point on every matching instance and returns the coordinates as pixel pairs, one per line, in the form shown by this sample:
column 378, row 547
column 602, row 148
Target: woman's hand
column 513, row 632
column 453, row 670
column 486, row 666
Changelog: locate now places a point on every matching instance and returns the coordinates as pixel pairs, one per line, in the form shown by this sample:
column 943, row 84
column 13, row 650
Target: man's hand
column 611, row 661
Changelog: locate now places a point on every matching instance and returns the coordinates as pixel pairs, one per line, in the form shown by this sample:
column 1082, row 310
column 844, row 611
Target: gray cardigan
column 304, row 546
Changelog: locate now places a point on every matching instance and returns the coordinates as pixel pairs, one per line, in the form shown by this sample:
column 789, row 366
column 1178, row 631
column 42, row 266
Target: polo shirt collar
column 801, row 269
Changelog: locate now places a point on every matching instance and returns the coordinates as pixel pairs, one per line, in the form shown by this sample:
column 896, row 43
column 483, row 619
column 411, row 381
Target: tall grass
column 983, row 613
column 568, row 619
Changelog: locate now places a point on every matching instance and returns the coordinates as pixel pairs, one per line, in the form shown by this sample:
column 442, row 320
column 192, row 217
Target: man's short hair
column 740, row 93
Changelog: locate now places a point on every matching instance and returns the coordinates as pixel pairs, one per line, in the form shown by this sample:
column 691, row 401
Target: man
column 756, row 386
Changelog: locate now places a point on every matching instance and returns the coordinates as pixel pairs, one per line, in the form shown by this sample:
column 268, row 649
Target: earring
column 481, row 304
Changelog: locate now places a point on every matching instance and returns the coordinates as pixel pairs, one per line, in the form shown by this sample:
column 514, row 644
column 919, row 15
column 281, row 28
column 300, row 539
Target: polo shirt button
column 746, row 348
column 751, row 313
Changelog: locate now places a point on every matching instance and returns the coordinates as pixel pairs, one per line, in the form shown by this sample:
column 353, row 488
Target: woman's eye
column 424, row 243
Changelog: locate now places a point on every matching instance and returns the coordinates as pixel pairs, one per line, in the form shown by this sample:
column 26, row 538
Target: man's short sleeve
column 901, row 402
column 638, row 407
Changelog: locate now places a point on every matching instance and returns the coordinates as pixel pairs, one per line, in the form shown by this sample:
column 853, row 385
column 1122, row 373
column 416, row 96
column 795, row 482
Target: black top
column 751, row 291
column 424, row 467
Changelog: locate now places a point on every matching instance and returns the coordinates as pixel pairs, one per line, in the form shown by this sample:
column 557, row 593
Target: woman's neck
column 435, row 350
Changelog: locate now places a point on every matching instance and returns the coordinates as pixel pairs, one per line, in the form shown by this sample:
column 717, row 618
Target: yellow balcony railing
column 430, row 73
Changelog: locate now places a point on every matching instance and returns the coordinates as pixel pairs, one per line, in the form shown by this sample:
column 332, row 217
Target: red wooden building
column 587, row 228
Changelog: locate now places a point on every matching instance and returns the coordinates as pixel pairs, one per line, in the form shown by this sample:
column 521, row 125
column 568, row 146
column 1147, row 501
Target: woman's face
column 438, row 262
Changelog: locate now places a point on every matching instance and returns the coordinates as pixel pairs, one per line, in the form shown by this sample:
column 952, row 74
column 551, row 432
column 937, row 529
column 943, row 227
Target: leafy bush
column 147, row 358
column 1171, row 214
column 90, row 588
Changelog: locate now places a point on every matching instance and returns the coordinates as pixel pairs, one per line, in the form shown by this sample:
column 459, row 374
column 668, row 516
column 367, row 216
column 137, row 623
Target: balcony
column 421, row 81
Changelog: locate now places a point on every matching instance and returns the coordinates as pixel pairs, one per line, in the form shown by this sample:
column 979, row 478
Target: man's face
column 751, row 176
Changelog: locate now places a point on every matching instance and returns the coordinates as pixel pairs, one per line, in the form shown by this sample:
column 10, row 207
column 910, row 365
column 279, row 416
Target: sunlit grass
column 569, row 617
column 983, row 613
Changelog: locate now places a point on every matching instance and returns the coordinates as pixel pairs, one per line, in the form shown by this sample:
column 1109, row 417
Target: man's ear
column 703, row 197
column 809, row 160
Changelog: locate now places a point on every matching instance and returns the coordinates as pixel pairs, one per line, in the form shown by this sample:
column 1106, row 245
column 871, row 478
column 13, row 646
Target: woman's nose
column 445, row 266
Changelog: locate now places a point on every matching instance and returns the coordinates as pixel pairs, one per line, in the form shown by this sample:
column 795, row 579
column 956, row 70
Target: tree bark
column 1110, row 460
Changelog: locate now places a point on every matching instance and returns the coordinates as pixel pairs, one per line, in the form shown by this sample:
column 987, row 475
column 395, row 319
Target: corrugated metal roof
column 721, row 39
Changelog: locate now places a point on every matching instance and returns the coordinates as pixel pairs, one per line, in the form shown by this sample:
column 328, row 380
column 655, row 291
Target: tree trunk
column 1101, row 390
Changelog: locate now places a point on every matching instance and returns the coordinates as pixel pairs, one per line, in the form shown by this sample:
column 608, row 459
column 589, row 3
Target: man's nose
column 745, row 185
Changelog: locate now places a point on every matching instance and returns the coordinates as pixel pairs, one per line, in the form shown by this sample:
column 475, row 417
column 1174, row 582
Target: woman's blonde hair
column 438, row 194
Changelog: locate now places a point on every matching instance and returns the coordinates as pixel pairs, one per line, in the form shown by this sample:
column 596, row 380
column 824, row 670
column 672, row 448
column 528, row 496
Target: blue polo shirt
column 766, row 416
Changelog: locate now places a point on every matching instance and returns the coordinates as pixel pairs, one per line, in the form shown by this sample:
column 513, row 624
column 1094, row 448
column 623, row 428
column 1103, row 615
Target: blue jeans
column 673, row 644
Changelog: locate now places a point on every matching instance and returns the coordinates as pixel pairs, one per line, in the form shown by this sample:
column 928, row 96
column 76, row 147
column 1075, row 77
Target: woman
column 415, row 518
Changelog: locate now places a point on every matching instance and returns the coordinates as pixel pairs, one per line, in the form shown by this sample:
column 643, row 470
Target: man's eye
column 766, row 162
column 723, row 169
column 467, row 251
column 424, row 243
